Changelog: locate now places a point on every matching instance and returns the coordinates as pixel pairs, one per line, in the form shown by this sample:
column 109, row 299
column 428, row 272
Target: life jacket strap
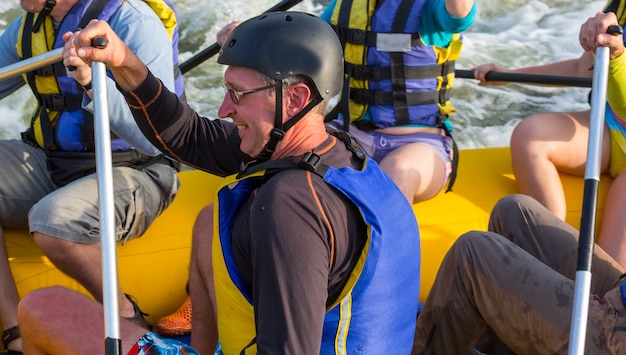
column 369, row 38
column 57, row 102
column 378, row 98
column 363, row 72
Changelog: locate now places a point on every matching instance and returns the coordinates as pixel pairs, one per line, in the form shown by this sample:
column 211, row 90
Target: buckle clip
column 310, row 161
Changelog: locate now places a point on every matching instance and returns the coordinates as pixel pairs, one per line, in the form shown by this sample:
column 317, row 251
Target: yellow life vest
column 389, row 71
column 57, row 93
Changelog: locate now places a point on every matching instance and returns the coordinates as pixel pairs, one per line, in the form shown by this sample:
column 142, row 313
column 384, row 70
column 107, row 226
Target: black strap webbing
column 455, row 158
column 368, row 38
column 363, row 72
column 377, row 98
column 92, row 12
column 41, row 112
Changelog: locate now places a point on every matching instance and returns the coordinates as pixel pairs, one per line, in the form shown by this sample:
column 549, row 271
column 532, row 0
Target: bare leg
column 82, row 262
column 417, row 169
column 202, row 292
column 613, row 234
column 546, row 143
column 10, row 297
column 57, row 320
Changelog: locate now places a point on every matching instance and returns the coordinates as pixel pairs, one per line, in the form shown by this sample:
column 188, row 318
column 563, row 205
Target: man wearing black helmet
column 47, row 178
column 301, row 259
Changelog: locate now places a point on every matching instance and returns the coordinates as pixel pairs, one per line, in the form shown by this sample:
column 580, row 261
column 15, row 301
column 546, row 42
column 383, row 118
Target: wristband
column 86, row 87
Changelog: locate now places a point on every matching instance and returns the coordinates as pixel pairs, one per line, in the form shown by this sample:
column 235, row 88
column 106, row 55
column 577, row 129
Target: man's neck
column 305, row 136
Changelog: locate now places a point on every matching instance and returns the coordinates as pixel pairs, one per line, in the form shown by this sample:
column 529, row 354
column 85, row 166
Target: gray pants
column 518, row 284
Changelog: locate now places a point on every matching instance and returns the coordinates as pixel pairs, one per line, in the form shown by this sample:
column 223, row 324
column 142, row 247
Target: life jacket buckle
column 47, row 70
column 57, row 102
column 360, row 96
column 362, row 72
column 310, row 161
column 358, row 37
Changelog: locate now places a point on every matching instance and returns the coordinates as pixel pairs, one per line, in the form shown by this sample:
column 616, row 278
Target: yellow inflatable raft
column 154, row 268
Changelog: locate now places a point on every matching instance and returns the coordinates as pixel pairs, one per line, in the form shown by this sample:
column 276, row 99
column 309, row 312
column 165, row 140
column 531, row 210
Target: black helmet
column 283, row 44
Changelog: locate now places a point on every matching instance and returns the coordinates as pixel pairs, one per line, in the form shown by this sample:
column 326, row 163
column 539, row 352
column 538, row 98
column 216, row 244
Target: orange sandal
column 177, row 323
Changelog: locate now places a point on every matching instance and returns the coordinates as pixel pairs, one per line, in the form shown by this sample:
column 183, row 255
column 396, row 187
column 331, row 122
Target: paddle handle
column 104, row 172
column 552, row 80
column 30, row 64
column 215, row 48
column 582, row 285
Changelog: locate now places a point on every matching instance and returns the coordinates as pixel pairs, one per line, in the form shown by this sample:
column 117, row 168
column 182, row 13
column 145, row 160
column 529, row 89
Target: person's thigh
column 72, row 212
column 24, row 180
column 419, row 164
column 530, row 225
column 613, row 232
column 485, row 281
column 562, row 137
column 62, row 321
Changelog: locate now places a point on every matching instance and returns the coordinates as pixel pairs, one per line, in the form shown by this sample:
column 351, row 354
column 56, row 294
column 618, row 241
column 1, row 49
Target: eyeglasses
column 236, row 95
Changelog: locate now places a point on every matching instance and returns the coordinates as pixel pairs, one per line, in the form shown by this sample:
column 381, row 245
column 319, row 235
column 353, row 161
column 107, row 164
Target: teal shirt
column 437, row 25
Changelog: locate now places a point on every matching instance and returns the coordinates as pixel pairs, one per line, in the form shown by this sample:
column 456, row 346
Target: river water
column 513, row 33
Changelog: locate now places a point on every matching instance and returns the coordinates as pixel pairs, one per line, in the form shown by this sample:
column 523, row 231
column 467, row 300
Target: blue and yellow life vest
column 377, row 308
column 388, row 68
column 59, row 122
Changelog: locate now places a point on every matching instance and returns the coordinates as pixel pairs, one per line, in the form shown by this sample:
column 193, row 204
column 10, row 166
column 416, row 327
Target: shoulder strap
column 92, row 12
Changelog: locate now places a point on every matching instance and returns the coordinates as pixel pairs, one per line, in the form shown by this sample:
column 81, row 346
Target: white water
column 513, row 33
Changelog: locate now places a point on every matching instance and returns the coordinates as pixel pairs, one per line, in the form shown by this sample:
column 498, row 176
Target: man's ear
column 298, row 96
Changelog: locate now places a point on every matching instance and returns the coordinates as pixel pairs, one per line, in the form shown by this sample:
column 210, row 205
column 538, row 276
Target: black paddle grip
column 98, row 42
column 615, row 30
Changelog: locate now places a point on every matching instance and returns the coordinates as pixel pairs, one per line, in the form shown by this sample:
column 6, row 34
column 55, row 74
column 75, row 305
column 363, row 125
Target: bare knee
column 39, row 305
column 527, row 132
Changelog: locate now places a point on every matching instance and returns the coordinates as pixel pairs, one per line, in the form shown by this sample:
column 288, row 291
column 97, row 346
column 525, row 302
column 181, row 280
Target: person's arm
column 169, row 124
column 144, row 34
column 578, row 67
column 442, row 18
column 616, row 90
column 594, row 33
column 121, row 119
column 128, row 70
column 181, row 133
column 147, row 38
column 327, row 14
column 8, row 56
column 459, row 8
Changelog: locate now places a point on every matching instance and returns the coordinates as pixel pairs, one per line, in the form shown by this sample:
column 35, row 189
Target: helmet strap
column 277, row 134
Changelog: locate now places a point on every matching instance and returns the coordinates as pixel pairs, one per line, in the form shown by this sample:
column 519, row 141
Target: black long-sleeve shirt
column 295, row 240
